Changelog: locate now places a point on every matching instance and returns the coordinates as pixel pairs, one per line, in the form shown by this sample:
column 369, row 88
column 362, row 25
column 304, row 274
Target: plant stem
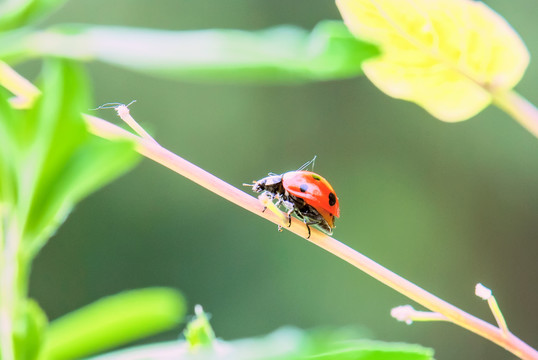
column 497, row 314
column 8, row 289
column 407, row 314
column 154, row 151
column 487, row 295
column 518, row 108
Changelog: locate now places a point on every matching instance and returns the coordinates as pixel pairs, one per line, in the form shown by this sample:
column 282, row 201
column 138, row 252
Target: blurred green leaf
column 339, row 53
column 113, row 321
column 7, row 152
column 59, row 161
column 378, row 350
column 274, row 55
column 348, row 344
column 29, row 330
column 283, row 344
column 17, row 13
column 48, row 162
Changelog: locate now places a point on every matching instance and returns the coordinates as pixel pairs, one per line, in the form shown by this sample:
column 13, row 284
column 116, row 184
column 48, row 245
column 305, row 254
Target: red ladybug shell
column 314, row 189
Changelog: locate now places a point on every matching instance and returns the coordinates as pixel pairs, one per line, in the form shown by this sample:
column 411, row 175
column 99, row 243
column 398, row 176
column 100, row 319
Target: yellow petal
column 448, row 56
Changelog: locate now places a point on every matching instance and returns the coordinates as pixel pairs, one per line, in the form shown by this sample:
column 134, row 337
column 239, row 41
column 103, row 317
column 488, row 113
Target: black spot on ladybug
column 303, row 187
column 316, row 177
column 332, row 199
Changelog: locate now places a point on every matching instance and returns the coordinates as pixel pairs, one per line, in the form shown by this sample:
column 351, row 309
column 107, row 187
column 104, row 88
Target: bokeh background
column 444, row 205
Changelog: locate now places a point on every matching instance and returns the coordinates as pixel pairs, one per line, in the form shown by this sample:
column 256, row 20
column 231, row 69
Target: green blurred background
column 444, row 205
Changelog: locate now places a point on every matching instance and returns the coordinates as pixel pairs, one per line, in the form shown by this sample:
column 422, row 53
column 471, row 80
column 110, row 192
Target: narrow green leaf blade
column 8, row 119
column 92, row 166
column 18, row 13
column 113, row 321
column 378, row 350
column 339, row 53
column 66, row 161
column 274, row 55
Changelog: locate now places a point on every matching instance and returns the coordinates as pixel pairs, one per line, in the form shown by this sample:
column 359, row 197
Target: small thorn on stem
column 486, row 294
column 407, row 314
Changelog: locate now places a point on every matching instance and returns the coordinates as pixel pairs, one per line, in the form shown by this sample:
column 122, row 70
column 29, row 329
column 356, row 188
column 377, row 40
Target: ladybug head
column 272, row 184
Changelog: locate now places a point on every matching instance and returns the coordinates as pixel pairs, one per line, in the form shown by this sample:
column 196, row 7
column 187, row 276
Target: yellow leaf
column 448, row 56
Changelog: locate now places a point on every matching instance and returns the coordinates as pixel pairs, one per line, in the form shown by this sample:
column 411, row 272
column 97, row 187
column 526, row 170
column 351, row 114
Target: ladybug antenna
column 308, row 163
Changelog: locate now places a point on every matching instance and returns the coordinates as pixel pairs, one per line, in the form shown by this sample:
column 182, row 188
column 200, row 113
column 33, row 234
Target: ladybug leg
column 313, row 222
column 308, row 223
column 299, row 216
column 309, row 233
column 291, row 208
column 287, row 205
column 289, row 216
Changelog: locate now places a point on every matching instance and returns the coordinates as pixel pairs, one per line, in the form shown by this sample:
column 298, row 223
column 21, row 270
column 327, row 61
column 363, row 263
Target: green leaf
column 7, row 151
column 13, row 45
column 18, row 13
column 60, row 162
column 283, row 344
column 48, row 162
column 378, row 350
column 274, row 55
column 348, row 344
column 114, row 321
column 29, row 330
column 339, row 53
column 91, row 166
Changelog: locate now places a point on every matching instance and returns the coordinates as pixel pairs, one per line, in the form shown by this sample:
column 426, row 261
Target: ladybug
column 303, row 193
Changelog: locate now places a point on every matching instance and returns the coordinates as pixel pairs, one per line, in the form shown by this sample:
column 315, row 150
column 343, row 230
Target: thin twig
column 486, row 294
column 154, row 151
column 407, row 314
column 123, row 112
column 125, row 115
